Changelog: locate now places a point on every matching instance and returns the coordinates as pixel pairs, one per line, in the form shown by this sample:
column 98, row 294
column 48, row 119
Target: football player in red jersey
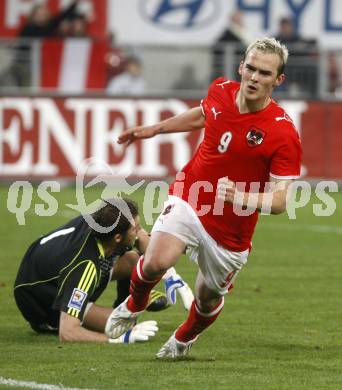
column 249, row 155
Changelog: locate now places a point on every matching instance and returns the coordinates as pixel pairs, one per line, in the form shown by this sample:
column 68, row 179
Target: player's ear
column 117, row 238
column 280, row 79
column 240, row 67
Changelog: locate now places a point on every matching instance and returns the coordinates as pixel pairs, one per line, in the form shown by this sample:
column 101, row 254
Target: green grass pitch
column 280, row 327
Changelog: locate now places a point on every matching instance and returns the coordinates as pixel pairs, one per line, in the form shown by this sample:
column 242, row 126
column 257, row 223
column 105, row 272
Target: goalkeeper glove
column 186, row 295
column 139, row 333
column 171, row 285
column 175, row 284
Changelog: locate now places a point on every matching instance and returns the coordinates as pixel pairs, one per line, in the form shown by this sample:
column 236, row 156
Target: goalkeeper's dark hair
column 108, row 214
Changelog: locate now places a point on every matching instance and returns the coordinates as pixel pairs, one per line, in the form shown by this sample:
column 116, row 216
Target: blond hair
column 270, row 45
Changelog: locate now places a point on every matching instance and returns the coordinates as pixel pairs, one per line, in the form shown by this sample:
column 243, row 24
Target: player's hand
column 139, row 333
column 140, row 132
column 226, row 190
column 171, row 285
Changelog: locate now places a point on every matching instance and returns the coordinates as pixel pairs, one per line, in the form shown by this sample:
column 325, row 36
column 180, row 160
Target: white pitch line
column 35, row 385
column 311, row 228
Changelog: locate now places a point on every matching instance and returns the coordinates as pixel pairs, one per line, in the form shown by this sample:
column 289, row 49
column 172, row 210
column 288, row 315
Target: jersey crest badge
column 255, row 137
column 77, row 299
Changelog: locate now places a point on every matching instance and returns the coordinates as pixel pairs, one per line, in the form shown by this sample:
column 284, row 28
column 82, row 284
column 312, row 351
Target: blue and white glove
column 186, row 295
column 171, row 285
column 139, row 333
column 174, row 283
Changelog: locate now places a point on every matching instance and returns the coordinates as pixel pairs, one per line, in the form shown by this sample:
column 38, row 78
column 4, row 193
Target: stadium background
column 65, row 115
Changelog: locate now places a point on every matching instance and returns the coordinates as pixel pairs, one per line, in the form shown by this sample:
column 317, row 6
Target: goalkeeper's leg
column 123, row 268
column 122, row 272
column 122, row 291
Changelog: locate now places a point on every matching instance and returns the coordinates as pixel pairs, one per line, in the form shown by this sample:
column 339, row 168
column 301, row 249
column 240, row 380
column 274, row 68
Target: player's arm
column 94, row 324
column 190, row 120
column 76, row 288
column 70, row 328
column 59, row 18
column 273, row 201
column 81, row 320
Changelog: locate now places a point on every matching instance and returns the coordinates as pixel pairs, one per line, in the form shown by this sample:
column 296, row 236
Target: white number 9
column 225, row 141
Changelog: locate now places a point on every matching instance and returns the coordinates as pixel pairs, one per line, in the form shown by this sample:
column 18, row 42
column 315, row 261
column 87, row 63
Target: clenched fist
column 226, row 189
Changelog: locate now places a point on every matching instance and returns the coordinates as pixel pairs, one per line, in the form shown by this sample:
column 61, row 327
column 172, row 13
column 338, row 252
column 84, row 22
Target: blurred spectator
column 333, row 73
column 302, row 66
column 74, row 26
column 64, row 28
column 78, row 26
column 287, row 32
column 235, row 33
column 41, row 24
column 114, row 59
column 187, row 79
column 130, row 81
column 235, row 30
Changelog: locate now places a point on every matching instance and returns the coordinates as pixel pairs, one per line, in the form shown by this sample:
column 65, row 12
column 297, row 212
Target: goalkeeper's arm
column 92, row 329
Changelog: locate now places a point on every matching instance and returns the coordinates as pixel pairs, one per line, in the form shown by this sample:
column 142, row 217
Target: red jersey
column 247, row 148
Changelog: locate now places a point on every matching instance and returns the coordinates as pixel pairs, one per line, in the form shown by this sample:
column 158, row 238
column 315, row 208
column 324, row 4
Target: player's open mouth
column 251, row 88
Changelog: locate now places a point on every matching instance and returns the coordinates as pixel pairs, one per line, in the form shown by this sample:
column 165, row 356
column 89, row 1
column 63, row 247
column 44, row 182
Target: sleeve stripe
column 284, row 177
column 87, row 278
column 85, row 272
column 202, row 108
column 84, row 280
column 90, row 274
column 73, row 312
column 91, row 279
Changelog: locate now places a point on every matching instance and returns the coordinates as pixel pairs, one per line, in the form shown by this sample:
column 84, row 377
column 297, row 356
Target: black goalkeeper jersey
column 71, row 263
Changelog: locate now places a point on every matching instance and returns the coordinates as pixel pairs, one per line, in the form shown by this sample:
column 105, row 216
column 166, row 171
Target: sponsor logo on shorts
column 77, row 299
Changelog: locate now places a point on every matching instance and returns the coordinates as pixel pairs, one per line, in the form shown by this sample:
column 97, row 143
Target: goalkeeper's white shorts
column 218, row 265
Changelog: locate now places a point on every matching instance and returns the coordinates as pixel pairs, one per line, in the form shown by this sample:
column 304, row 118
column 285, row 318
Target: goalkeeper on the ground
column 64, row 272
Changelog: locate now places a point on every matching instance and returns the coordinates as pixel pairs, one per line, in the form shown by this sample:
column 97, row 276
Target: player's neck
column 245, row 106
column 109, row 247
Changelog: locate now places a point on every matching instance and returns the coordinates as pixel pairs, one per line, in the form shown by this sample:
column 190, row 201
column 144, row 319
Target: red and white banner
column 13, row 14
column 73, row 65
column 45, row 137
